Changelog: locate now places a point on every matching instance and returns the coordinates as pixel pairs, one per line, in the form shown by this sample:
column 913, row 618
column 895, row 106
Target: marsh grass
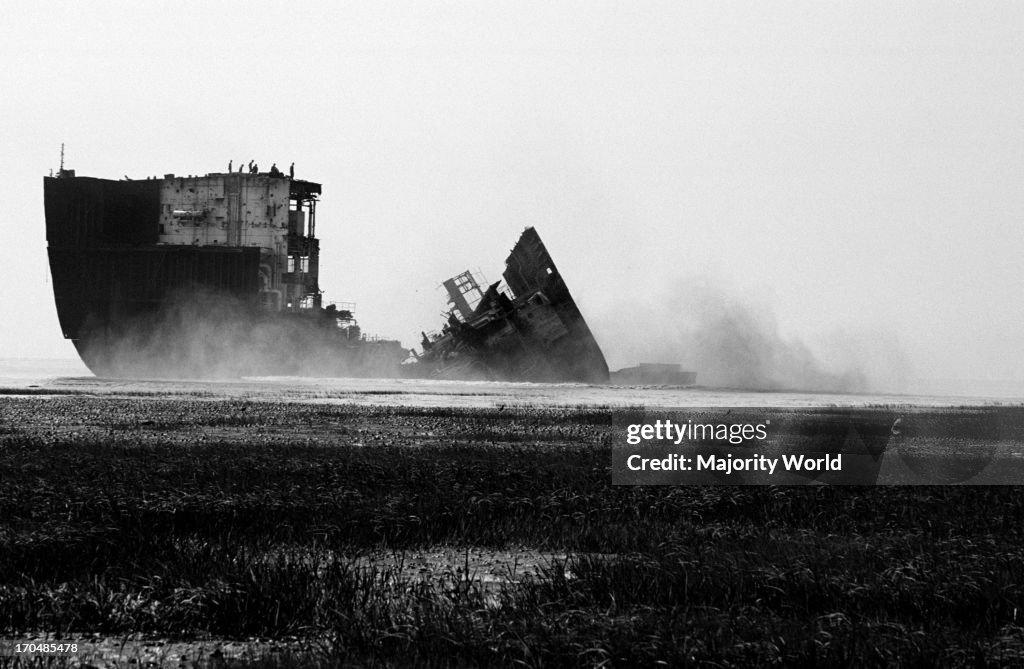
column 196, row 519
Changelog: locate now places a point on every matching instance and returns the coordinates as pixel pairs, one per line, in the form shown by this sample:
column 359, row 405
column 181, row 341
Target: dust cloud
column 732, row 342
column 218, row 337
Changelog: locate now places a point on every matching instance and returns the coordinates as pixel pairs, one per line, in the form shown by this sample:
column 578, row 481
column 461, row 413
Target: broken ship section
column 530, row 331
column 199, row 276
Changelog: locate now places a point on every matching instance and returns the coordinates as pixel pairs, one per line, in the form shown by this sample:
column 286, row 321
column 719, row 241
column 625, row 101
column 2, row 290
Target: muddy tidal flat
column 228, row 525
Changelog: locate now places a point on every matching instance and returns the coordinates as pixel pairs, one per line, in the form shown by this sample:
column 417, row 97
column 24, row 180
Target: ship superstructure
column 275, row 214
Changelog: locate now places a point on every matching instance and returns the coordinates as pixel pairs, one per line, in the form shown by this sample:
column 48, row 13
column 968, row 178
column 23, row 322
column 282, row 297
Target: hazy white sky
column 853, row 172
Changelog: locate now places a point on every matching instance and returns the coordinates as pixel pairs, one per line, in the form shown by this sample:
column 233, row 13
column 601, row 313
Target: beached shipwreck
column 530, row 330
column 218, row 276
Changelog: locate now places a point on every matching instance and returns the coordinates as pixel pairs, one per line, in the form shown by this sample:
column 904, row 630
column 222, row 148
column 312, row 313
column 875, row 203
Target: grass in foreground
column 182, row 518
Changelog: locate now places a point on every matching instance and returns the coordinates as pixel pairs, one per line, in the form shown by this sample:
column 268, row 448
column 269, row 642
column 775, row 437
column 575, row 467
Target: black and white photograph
column 512, row 334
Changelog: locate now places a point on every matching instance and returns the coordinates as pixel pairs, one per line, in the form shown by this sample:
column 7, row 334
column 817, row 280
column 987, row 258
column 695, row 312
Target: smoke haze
column 875, row 148
column 732, row 342
column 218, row 337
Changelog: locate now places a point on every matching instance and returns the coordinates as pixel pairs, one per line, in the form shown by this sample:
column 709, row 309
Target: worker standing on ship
column 274, row 172
column 291, row 171
column 230, row 163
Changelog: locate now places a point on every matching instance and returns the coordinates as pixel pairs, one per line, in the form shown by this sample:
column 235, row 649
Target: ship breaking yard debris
column 193, row 528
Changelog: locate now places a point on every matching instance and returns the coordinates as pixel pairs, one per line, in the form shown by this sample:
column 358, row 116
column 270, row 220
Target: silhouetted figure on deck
column 250, row 167
column 230, row 163
column 274, row 172
column 291, row 171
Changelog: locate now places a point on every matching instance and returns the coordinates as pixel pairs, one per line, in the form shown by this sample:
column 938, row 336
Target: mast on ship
column 62, row 172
